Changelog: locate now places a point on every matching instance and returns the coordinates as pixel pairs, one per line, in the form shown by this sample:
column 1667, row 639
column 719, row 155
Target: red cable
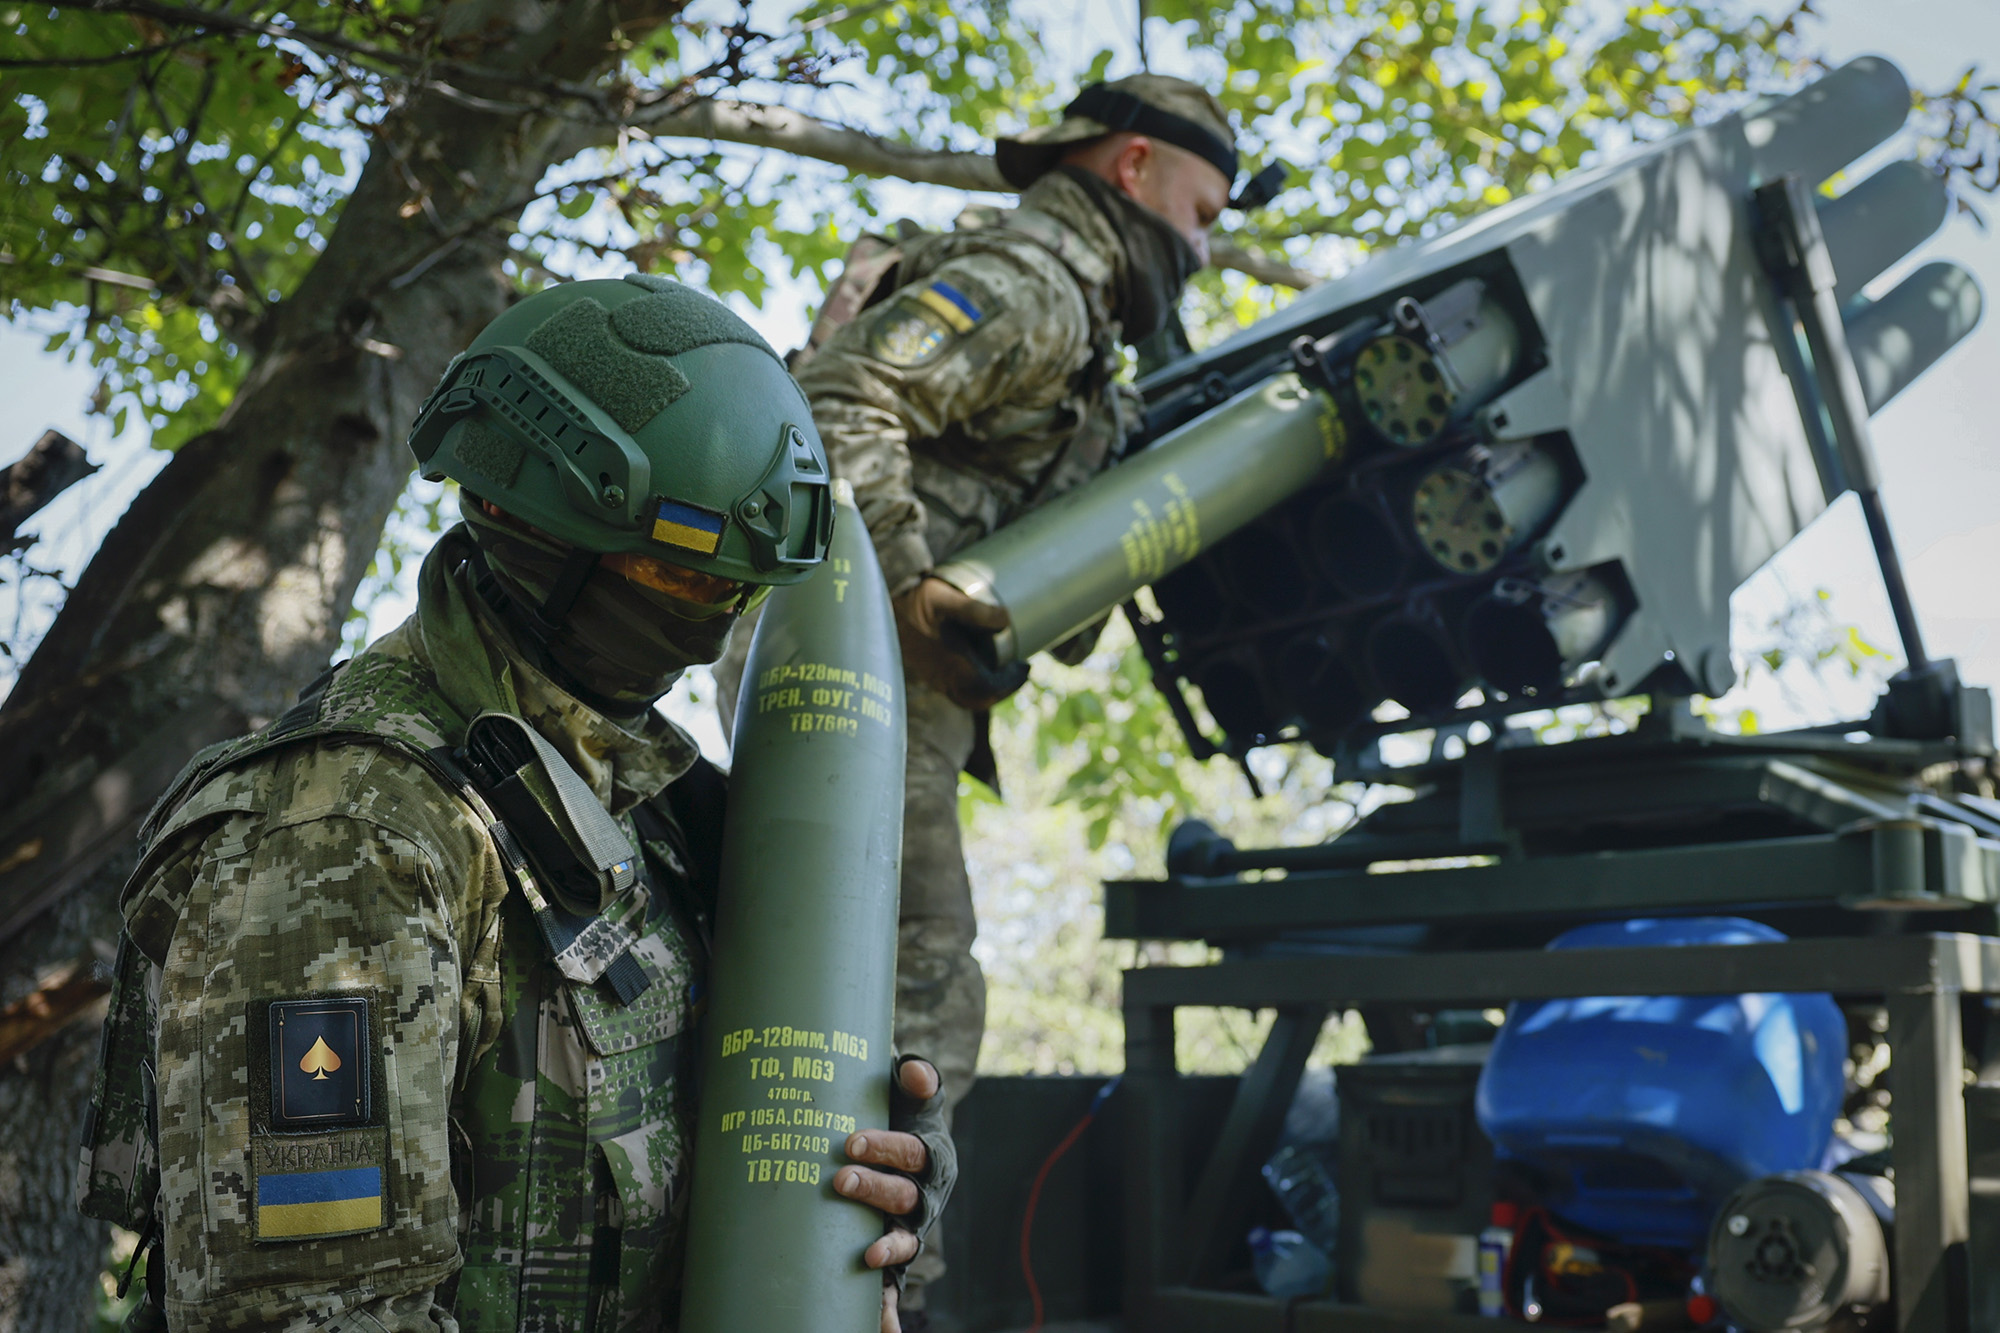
column 1035, row 1196
column 1028, row 1218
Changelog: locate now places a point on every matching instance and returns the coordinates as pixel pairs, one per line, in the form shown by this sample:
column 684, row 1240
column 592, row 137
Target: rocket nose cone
column 827, row 645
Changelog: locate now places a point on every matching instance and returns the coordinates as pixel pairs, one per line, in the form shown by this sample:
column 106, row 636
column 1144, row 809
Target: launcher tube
column 1897, row 338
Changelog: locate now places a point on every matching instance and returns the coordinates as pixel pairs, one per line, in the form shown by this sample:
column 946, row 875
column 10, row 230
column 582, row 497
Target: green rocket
column 796, row 1045
column 1060, row 567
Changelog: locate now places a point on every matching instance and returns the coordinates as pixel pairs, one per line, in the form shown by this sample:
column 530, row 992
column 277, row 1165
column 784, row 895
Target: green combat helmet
column 636, row 416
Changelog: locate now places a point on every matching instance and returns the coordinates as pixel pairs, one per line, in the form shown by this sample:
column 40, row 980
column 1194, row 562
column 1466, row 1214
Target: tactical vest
column 571, row 1127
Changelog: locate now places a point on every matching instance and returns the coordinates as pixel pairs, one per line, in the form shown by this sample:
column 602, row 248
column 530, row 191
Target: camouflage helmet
column 636, row 415
column 1171, row 110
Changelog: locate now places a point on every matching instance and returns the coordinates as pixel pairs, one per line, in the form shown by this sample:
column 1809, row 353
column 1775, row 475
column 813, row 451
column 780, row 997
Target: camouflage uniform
column 522, row 1164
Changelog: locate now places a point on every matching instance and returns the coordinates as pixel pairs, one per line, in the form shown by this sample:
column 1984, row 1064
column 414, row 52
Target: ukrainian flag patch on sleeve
column 319, row 1203
column 687, row 527
column 311, row 1186
column 924, row 321
column 954, row 306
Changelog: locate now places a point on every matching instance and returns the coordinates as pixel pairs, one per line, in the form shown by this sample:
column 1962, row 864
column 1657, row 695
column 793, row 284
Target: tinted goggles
column 689, row 585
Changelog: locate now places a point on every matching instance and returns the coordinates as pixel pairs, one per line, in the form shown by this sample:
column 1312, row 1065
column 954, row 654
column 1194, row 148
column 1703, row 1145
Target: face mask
column 1158, row 259
column 622, row 643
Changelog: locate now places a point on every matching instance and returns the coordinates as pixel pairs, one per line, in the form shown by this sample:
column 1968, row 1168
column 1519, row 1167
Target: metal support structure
column 1798, row 258
column 1786, row 823
column 1153, row 1191
column 1188, row 1310
column 1889, row 865
column 1982, row 1133
column 1226, row 1192
column 1933, row 1218
column 1922, row 978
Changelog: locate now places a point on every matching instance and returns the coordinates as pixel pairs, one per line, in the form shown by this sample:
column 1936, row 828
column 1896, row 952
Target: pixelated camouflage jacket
column 984, row 384
column 520, row 1163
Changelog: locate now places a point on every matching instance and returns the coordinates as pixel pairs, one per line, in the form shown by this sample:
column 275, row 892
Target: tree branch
column 111, row 276
column 670, row 115
column 52, row 466
column 278, row 142
column 782, row 129
column 790, row 131
column 82, row 62
column 225, row 24
column 1261, row 268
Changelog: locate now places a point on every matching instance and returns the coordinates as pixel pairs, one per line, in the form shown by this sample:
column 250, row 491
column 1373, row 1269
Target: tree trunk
column 222, row 590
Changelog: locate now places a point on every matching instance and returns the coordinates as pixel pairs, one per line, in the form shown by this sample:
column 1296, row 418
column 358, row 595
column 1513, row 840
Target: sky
column 1938, row 446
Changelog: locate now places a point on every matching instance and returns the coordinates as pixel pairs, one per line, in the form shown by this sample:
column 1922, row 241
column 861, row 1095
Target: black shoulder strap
column 688, row 817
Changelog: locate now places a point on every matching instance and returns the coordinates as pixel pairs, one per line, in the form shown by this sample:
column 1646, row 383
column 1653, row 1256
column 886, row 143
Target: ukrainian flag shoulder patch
column 923, row 321
column 687, row 527
column 956, row 308
column 312, row 1204
column 310, row 1187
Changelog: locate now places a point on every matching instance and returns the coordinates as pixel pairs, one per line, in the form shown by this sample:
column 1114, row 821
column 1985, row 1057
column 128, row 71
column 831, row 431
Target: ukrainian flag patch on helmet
column 687, row 527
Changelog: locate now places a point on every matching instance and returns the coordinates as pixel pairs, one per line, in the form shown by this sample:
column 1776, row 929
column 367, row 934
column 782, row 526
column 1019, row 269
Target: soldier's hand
column 932, row 604
column 894, row 1189
column 901, row 1176
column 937, row 624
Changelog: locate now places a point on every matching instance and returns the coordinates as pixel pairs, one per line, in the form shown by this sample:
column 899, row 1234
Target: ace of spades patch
column 320, row 1072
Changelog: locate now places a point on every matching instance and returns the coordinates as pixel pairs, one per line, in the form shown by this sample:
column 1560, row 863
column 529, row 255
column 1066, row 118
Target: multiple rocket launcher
column 1534, row 455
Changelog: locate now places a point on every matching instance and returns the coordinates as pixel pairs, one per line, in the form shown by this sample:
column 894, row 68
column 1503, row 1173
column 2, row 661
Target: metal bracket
column 1167, row 682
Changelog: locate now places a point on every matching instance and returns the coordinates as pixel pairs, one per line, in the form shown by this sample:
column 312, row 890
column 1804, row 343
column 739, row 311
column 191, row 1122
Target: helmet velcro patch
column 631, row 386
column 675, row 319
column 487, row 452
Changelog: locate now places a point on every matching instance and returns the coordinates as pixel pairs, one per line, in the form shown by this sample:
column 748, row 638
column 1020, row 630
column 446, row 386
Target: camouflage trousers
column 940, row 991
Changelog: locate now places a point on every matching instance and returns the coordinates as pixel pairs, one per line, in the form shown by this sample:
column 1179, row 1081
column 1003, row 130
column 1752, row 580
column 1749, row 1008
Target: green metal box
column 1416, row 1181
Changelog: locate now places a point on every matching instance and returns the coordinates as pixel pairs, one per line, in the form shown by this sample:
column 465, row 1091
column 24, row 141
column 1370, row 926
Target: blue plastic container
column 1641, row 1114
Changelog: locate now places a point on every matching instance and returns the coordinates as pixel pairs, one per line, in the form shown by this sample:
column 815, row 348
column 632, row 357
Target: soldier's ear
column 1133, row 167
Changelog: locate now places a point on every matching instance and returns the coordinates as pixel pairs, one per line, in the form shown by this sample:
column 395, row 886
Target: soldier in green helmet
column 978, row 380
column 403, row 1029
